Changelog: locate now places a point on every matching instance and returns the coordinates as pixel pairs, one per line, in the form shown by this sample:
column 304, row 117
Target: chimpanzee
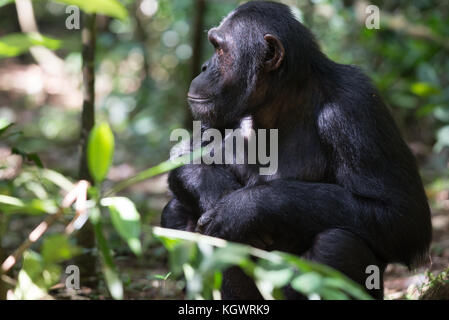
column 347, row 192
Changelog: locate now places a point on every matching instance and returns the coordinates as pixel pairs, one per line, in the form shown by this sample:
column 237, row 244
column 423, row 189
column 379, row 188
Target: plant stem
column 154, row 171
column 32, row 238
column 86, row 235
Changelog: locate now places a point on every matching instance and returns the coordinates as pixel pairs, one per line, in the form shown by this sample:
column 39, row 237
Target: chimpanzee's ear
column 275, row 54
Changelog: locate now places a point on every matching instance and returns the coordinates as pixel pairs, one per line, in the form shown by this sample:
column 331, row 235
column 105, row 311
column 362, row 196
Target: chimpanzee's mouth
column 197, row 99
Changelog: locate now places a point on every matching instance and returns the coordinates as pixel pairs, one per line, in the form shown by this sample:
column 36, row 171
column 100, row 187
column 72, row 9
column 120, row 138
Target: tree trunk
column 87, row 262
column 197, row 31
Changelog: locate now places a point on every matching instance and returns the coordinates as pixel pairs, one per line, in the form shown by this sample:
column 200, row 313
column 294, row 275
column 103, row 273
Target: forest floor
column 401, row 283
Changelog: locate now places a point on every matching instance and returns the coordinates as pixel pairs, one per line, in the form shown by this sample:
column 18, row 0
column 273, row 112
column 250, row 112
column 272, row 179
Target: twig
column 46, row 59
column 154, row 171
column 32, row 238
column 77, row 194
column 86, row 236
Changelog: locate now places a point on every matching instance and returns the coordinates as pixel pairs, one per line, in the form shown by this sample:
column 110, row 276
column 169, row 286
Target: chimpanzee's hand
column 200, row 186
column 235, row 220
column 176, row 216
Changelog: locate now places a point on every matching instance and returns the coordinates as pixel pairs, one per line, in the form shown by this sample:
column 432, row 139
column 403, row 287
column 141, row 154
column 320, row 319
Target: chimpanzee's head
column 259, row 49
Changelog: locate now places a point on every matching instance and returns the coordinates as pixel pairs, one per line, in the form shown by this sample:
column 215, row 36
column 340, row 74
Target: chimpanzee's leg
column 238, row 286
column 347, row 253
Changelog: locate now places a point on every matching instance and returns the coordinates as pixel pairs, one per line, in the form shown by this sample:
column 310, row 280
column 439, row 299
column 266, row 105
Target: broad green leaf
column 57, row 248
column 18, row 43
column 112, row 8
column 423, row 89
column 100, row 151
column 126, row 220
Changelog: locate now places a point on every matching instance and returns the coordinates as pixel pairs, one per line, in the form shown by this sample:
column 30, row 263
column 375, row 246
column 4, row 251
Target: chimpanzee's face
column 219, row 95
column 233, row 82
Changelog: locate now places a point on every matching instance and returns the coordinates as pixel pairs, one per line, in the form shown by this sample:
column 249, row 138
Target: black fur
column 347, row 192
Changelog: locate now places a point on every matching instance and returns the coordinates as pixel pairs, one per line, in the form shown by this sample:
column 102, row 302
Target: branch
column 88, row 113
column 78, row 195
column 46, row 59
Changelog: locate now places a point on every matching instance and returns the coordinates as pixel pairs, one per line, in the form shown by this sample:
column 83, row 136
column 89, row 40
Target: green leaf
column 18, row 43
column 35, row 277
column 308, row 283
column 158, row 169
column 441, row 113
column 277, row 278
column 32, row 157
column 11, row 201
column 57, row 248
column 5, row 2
column 58, row 179
column 332, row 294
column 160, row 277
column 5, row 125
column 218, row 280
column 182, row 255
column 112, row 8
column 442, row 139
column 423, row 89
column 223, row 257
column 12, row 205
column 37, row 206
column 113, row 281
column 126, row 221
column 342, row 285
column 100, row 150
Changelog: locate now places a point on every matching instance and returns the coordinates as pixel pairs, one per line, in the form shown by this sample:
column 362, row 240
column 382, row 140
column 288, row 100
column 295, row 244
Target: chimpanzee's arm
column 198, row 187
column 289, row 211
column 292, row 213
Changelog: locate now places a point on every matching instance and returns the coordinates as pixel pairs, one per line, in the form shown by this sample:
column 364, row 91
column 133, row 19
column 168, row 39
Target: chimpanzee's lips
column 198, row 99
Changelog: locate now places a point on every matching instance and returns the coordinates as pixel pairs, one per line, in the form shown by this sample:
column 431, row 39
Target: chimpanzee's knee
column 349, row 254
